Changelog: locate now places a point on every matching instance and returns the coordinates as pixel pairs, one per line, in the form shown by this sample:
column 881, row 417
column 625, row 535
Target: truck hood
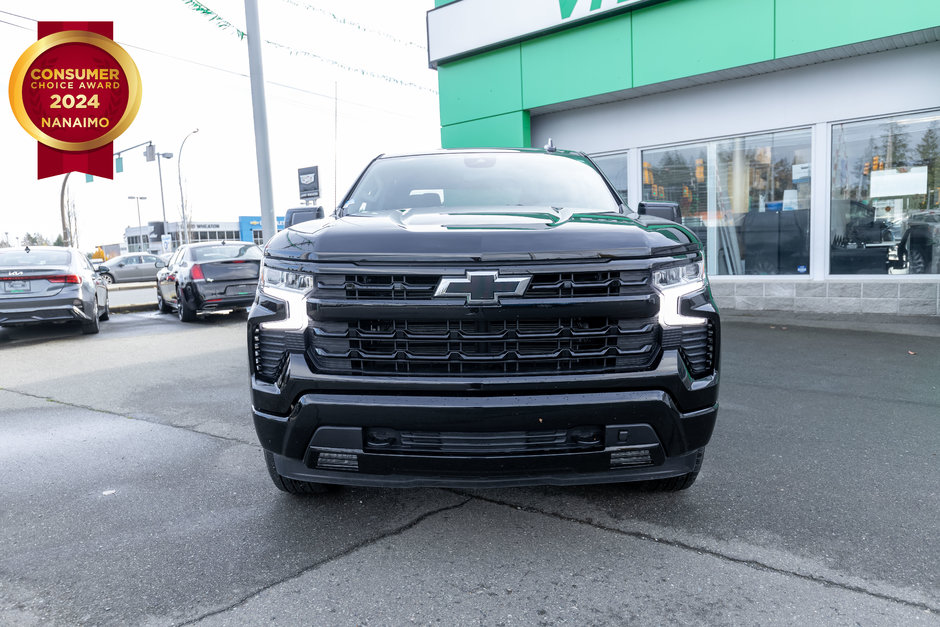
column 465, row 235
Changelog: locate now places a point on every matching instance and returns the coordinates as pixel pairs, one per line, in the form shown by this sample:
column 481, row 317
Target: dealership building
column 801, row 139
column 148, row 238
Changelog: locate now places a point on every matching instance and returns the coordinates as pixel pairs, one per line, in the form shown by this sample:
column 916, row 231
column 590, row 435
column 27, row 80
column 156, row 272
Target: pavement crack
column 49, row 399
column 755, row 564
column 331, row 558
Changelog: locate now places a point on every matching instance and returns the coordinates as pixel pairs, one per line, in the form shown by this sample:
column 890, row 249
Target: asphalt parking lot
column 132, row 491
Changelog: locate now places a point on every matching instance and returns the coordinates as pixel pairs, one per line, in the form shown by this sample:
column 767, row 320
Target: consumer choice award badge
column 75, row 90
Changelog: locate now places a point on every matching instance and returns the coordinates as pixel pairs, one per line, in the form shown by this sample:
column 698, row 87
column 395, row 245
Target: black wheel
column 92, row 326
column 106, row 315
column 184, row 311
column 108, row 278
column 916, row 260
column 161, row 304
column 292, row 486
column 682, row 482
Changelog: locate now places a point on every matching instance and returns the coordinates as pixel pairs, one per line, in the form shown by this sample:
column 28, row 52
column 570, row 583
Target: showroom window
column 885, row 207
column 747, row 198
column 615, row 169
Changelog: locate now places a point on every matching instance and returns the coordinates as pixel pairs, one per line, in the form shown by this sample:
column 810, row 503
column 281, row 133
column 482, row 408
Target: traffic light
column 875, row 162
column 119, row 165
column 150, row 152
column 647, row 174
column 699, row 170
column 866, row 168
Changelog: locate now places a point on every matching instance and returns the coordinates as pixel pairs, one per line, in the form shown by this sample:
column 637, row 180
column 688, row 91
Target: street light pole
column 165, row 155
column 179, row 174
column 140, row 228
column 66, row 234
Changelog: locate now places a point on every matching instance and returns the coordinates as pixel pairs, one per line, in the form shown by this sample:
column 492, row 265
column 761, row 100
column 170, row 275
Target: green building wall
column 485, row 99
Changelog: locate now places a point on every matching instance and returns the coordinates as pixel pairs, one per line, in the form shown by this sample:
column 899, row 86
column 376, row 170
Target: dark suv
column 483, row 318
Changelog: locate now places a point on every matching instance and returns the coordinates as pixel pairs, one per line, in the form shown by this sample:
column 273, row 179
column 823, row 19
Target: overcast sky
column 195, row 75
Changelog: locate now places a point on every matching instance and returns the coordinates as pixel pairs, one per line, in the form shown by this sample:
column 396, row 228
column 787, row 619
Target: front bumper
column 324, row 436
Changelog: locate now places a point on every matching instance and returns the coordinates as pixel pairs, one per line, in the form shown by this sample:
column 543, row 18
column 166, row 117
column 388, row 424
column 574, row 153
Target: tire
column 161, row 304
column 109, row 279
column 94, row 325
column 292, row 486
column 675, row 484
column 184, row 311
column 107, row 309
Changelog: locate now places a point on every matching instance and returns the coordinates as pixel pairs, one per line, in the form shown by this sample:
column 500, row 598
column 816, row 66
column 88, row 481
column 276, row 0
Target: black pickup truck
column 483, row 318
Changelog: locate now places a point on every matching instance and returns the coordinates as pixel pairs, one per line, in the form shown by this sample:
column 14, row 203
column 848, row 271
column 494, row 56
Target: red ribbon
column 97, row 162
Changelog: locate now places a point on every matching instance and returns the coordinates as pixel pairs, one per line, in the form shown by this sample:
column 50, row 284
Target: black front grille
column 486, row 347
column 409, row 287
column 584, row 438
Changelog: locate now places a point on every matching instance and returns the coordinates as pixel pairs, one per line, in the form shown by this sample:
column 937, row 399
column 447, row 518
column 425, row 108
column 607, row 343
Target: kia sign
column 309, row 182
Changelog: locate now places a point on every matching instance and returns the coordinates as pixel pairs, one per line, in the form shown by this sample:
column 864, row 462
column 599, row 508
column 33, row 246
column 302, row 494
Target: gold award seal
column 75, row 90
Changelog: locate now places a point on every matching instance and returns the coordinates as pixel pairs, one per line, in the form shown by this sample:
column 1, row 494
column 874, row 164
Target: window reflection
column 615, row 169
column 751, row 210
column 885, row 210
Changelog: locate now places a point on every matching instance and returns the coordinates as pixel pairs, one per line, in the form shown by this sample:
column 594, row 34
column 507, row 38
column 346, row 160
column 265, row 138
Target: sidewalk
column 924, row 326
column 131, row 297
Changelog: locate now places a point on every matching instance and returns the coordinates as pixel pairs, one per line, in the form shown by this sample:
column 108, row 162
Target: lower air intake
column 631, row 459
column 338, row 461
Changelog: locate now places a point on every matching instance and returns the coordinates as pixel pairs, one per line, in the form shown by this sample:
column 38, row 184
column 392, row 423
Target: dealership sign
column 460, row 28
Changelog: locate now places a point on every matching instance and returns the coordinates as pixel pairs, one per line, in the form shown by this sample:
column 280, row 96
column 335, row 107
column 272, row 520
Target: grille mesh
column 519, row 346
column 405, row 287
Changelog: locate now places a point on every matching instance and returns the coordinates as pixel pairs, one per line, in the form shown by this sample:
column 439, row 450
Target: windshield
column 480, row 181
column 221, row 252
column 12, row 258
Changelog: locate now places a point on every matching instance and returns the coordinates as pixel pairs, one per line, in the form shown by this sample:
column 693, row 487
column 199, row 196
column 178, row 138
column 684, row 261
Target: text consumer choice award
column 75, row 91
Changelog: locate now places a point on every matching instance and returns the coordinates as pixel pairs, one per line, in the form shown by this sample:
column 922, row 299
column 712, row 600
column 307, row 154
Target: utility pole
column 164, row 155
column 256, row 71
column 140, row 228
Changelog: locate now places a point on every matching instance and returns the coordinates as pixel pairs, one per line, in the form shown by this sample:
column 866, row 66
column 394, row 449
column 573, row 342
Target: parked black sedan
column 43, row 284
column 208, row 276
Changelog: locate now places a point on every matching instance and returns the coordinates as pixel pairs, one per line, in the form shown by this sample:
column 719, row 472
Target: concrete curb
column 120, row 309
column 117, row 287
column 925, row 326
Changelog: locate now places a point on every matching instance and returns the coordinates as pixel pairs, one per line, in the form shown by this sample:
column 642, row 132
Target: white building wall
column 871, row 85
column 814, row 97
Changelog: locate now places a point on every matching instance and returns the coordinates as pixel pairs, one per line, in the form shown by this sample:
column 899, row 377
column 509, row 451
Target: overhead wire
column 226, row 25
column 228, row 71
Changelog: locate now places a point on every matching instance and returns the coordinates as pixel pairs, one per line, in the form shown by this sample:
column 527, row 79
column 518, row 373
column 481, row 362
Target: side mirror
column 102, row 269
column 120, row 265
column 302, row 214
column 666, row 210
column 159, row 263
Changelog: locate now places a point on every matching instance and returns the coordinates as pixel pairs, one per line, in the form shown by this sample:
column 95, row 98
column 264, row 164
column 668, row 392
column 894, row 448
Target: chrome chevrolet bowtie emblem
column 482, row 288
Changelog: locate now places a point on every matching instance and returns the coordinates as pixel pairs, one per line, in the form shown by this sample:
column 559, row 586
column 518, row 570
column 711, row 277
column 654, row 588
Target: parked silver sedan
column 130, row 268
column 41, row 284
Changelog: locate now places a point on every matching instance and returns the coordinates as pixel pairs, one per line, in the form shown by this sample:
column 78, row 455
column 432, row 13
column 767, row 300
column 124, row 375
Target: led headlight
column 292, row 288
column 673, row 283
column 285, row 280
